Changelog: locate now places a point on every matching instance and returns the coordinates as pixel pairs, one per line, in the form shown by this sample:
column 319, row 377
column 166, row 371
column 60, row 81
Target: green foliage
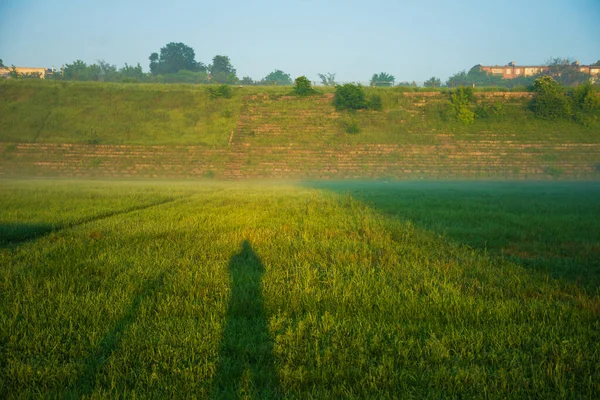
column 566, row 72
column 375, row 102
column 303, row 87
column 183, row 76
column 585, row 98
column 382, row 79
column 349, row 97
column 484, row 110
column 462, row 100
column 586, row 105
column 132, row 74
column 549, row 101
column 327, row 79
column 220, row 91
column 246, row 80
column 277, row 77
column 222, row 71
column 433, row 82
column 350, row 126
column 173, row 58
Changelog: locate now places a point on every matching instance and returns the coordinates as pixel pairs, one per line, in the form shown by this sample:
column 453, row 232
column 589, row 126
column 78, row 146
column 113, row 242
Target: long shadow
column 86, row 383
column 15, row 234
column 543, row 226
column 246, row 364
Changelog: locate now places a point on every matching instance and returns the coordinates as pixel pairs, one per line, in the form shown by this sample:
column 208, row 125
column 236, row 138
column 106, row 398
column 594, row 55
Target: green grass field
column 307, row 290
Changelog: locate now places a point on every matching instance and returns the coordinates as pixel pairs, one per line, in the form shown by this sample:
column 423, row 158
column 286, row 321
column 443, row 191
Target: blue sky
column 412, row 40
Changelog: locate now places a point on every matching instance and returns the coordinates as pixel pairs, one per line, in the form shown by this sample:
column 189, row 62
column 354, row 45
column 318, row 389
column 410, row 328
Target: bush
column 549, row 101
column 495, row 110
column 462, row 99
column 302, row 86
column 351, row 126
column 223, row 91
column 375, row 102
column 585, row 98
column 349, row 97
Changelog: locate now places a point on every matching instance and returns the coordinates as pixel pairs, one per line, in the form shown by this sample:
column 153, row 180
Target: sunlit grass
column 270, row 290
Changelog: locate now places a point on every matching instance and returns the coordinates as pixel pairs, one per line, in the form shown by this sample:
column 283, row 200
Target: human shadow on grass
column 86, row 383
column 246, row 364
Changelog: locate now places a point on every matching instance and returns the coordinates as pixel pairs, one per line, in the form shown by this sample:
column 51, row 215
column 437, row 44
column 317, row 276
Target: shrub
column 375, row 102
column 462, row 99
column 585, row 98
column 351, row 126
column 549, row 101
column 302, row 86
column 223, row 91
column 495, row 110
column 349, row 97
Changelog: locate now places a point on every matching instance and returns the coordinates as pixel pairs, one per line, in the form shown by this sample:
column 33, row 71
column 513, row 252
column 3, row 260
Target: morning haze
column 299, row 200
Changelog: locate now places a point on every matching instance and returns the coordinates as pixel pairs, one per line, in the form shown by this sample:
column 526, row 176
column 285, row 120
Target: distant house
column 511, row 71
column 42, row 72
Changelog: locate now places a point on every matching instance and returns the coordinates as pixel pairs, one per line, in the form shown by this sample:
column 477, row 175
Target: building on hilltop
column 42, row 73
column 512, row 71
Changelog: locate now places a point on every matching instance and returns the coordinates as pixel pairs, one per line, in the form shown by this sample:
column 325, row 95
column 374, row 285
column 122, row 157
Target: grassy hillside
column 70, row 112
column 235, row 290
column 128, row 130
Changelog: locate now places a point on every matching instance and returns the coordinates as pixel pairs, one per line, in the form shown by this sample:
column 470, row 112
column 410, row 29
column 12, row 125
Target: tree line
column 176, row 63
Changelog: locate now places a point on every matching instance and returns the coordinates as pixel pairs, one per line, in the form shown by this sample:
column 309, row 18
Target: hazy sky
column 412, row 39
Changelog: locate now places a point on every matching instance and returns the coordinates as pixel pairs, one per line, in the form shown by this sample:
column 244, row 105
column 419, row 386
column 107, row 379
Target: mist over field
column 299, row 200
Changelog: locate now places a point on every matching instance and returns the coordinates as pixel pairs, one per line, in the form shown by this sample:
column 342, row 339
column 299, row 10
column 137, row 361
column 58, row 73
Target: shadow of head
column 246, row 259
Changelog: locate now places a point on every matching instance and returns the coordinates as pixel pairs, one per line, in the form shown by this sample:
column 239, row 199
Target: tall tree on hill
column 327, row 79
column 278, row 77
column 173, row 58
column 382, row 79
column 475, row 76
column 222, row 71
column 433, row 82
column 566, row 72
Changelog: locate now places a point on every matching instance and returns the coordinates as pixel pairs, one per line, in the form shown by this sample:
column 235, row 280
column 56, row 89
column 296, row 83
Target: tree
column 433, row 82
column 566, row 72
column 302, row 86
column 596, row 63
column 2, row 64
column 327, row 79
column 382, row 79
column 13, row 73
column 108, row 72
column 173, row 58
column 79, row 71
column 247, row 81
column 222, row 71
column 278, row 77
column 349, row 97
column 130, row 73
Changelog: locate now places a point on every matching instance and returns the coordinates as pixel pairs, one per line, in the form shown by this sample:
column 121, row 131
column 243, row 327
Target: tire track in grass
column 41, row 230
column 86, row 382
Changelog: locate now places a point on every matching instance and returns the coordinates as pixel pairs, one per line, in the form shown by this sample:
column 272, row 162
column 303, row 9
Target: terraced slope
column 456, row 159
column 288, row 137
